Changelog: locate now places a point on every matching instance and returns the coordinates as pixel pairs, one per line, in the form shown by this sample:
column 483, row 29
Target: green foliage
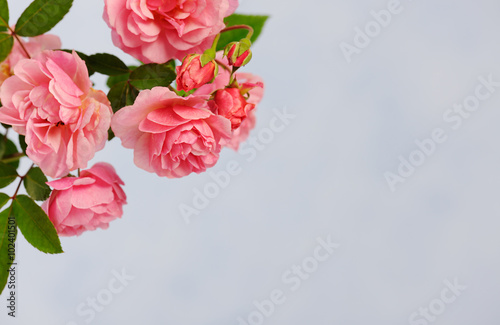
column 107, row 64
column 35, row 225
column 152, row 75
column 7, row 174
column 6, row 43
column 10, row 155
column 256, row 22
column 4, row 198
column 4, row 15
column 41, row 16
column 22, row 143
column 121, row 95
column 3, row 146
column 114, row 80
column 34, row 182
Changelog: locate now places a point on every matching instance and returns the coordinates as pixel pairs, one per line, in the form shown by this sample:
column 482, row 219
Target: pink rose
column 230, row 103
column 34, row 46
column 192, row 75
column 49, row 99
column 172, row 136
column 88, row 202
column 157, row 31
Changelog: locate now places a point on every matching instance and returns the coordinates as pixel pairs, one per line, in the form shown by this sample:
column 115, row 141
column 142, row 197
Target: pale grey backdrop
column 323, row 175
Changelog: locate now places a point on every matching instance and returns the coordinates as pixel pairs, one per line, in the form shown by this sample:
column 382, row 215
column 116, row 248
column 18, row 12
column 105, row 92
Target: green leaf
column 41, row 16
column 11, row 151
column 35, row 225
column 256, row 22
column 34, row 182
column 4, row 198
column 4, row 15
column 207, row 56
column 107, row 64
column 7, row 244
column 183, row 93
column 152, row 75
column 122, row 94
column 3, row 145
column 7, row 174
column 113, row 80
column 111, row 134
column 22, row 143
column 171, row 64
column 6, row 43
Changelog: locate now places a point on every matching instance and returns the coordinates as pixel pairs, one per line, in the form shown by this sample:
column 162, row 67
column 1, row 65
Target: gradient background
column 323, row 175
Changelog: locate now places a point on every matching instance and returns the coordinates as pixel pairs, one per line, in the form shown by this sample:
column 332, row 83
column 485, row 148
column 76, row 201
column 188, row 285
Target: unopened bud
column 238, row 53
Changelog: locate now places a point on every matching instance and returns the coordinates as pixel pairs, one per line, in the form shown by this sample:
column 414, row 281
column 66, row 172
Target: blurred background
column 374, row 202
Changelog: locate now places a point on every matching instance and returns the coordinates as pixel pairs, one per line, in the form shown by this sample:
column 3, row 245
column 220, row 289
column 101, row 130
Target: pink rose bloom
column 49, row 99
column 88, row 202
column 34, row 46
column 157, row 30
column 171, row 136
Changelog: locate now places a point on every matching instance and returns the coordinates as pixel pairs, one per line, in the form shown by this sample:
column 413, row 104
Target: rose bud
column 238, row 53
column 231, row 104
column 193, row 73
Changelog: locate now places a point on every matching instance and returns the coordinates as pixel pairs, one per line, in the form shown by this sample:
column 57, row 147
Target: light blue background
column 323, row 175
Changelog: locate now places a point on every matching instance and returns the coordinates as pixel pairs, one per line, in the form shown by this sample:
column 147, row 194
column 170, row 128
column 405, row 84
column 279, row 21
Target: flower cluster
column 174, row 129
column 174, row 136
